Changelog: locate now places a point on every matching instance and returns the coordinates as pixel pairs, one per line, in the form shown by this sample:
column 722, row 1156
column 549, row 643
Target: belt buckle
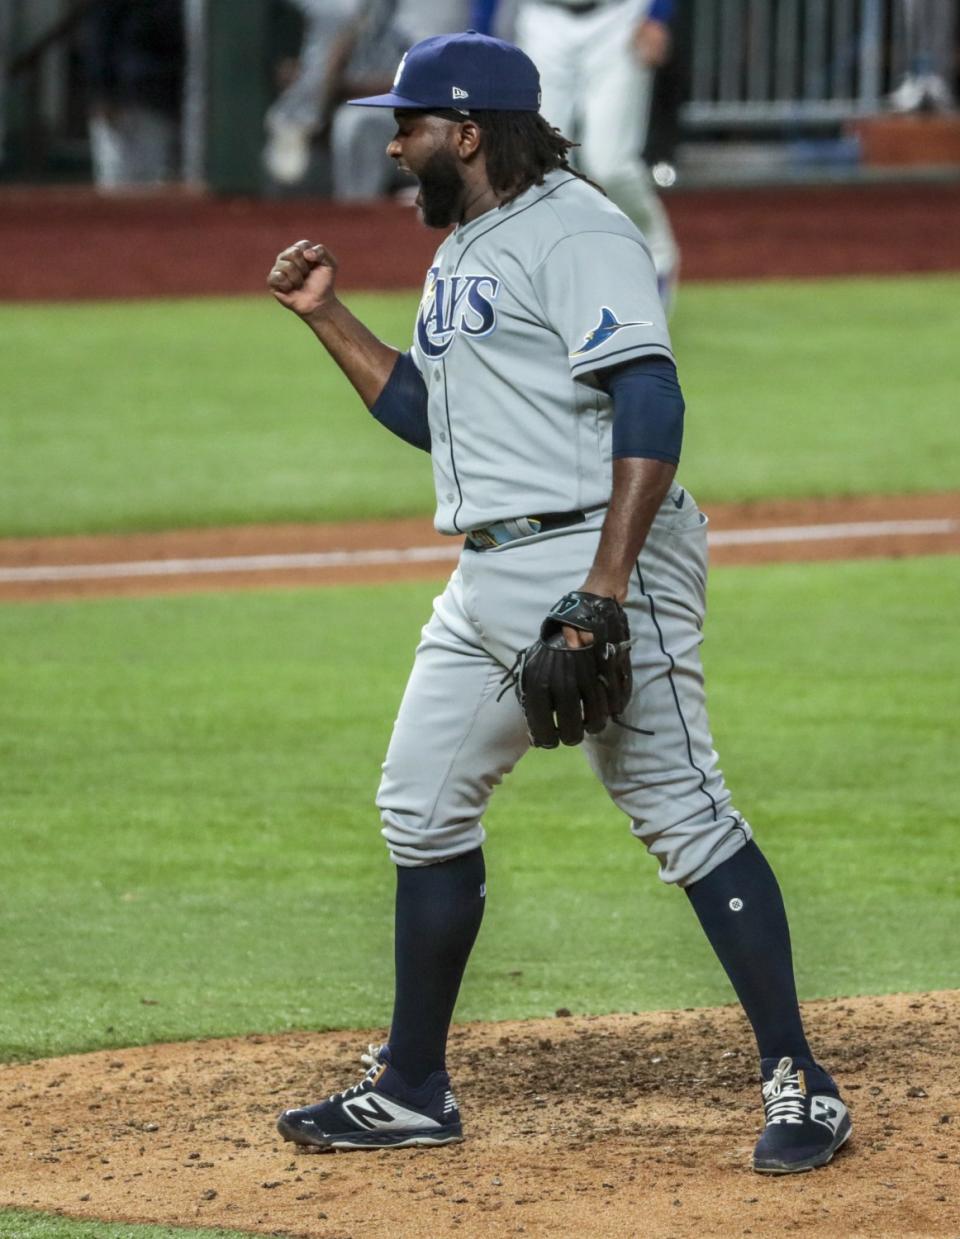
column 502, row 532
column 482, row 539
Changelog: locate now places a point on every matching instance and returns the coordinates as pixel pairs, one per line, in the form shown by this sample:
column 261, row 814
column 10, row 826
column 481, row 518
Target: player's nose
column 393, row 148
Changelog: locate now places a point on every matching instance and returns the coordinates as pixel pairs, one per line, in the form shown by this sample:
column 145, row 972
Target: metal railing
column 768, row 62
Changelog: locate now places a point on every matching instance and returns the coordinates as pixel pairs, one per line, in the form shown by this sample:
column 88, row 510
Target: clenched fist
column 302, row 278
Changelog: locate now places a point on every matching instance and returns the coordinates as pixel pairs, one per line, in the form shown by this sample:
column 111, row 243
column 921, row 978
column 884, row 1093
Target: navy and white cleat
column 381, row 1112
column 806, row 1120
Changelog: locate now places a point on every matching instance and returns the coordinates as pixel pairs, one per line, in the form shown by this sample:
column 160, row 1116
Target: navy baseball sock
column 438, row 913
column 741, row 910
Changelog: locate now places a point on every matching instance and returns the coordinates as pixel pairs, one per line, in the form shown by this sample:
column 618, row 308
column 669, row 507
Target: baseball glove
column 566, row 691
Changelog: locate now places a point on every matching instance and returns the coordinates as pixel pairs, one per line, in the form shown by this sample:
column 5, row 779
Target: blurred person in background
column 350, row 48
column 133, row 57
column 597, row 60
column 931, row 29
column 364, row 62
column 294, row 117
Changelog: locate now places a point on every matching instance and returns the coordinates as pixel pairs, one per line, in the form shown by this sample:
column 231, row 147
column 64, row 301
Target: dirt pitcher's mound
column 623, row 1125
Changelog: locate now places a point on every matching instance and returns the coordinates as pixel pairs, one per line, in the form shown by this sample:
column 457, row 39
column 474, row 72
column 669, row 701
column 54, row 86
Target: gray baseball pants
column 453, row 740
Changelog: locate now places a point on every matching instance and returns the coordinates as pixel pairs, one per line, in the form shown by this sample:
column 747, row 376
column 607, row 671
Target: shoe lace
column 372, row 1057
column 783, row 1096
column 372, row 1061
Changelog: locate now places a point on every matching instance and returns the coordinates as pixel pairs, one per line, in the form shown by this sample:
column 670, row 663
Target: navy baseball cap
column 463, row 71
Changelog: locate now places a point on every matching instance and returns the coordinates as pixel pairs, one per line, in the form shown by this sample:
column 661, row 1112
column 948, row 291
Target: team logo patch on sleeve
column 608, row 326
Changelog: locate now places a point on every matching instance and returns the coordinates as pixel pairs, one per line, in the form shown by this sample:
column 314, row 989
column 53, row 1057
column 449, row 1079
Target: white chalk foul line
column 830, row 533
column 231, row 563
column 432, row 554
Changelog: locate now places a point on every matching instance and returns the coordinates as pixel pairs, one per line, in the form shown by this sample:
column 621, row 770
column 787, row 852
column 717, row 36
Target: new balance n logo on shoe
column 368, row 1113
column 829, row 1111
column 383, row 1112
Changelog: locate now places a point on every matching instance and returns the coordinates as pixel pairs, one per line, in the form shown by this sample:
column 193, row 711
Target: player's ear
column 468, row 140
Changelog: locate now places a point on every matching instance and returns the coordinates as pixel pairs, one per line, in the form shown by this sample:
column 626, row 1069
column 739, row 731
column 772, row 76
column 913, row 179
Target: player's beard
column 441, row 190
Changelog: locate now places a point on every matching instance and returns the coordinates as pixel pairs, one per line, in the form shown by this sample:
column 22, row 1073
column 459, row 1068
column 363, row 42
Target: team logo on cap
column 454, row 304
column 400, row 68
column 608, row 325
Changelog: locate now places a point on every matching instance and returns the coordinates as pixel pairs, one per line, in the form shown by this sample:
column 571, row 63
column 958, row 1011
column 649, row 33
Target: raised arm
column 303, row 279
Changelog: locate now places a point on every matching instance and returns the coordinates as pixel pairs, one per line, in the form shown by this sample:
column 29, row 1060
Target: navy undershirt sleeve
column 647, row 409
column 661, row 11
column 482, row 14
column 402, row 405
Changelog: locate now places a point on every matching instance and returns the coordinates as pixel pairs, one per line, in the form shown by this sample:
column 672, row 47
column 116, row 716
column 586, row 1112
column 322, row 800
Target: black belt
column 557, row 520
column 499, row 533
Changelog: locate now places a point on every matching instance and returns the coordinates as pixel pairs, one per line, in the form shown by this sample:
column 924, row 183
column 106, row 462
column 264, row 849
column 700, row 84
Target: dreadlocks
column 520, row 149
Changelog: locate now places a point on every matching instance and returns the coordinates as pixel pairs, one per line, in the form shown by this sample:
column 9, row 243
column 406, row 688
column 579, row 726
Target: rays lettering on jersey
column 456, row 303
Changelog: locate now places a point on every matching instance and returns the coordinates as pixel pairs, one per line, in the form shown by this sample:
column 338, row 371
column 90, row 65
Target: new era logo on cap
column 490, row 73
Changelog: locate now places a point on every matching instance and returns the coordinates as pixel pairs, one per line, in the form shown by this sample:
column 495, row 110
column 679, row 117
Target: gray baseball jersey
column 521, row 307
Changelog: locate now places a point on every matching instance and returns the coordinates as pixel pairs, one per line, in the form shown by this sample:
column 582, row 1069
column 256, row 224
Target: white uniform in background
column 597, row 91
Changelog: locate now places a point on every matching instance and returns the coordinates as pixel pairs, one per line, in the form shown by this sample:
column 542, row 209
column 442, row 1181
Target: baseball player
column 542, row 382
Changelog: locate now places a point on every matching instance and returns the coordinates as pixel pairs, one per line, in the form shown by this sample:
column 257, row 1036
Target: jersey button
column 442, row 436
column 436, row 375
column 449, row 496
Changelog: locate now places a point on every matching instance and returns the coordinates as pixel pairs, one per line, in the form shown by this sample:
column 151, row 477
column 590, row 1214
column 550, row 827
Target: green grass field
column 181, row 771
column 21, row 1225
column 163, row 414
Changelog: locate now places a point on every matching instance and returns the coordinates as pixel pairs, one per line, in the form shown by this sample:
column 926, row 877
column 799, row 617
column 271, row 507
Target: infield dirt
column 620, row 1125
